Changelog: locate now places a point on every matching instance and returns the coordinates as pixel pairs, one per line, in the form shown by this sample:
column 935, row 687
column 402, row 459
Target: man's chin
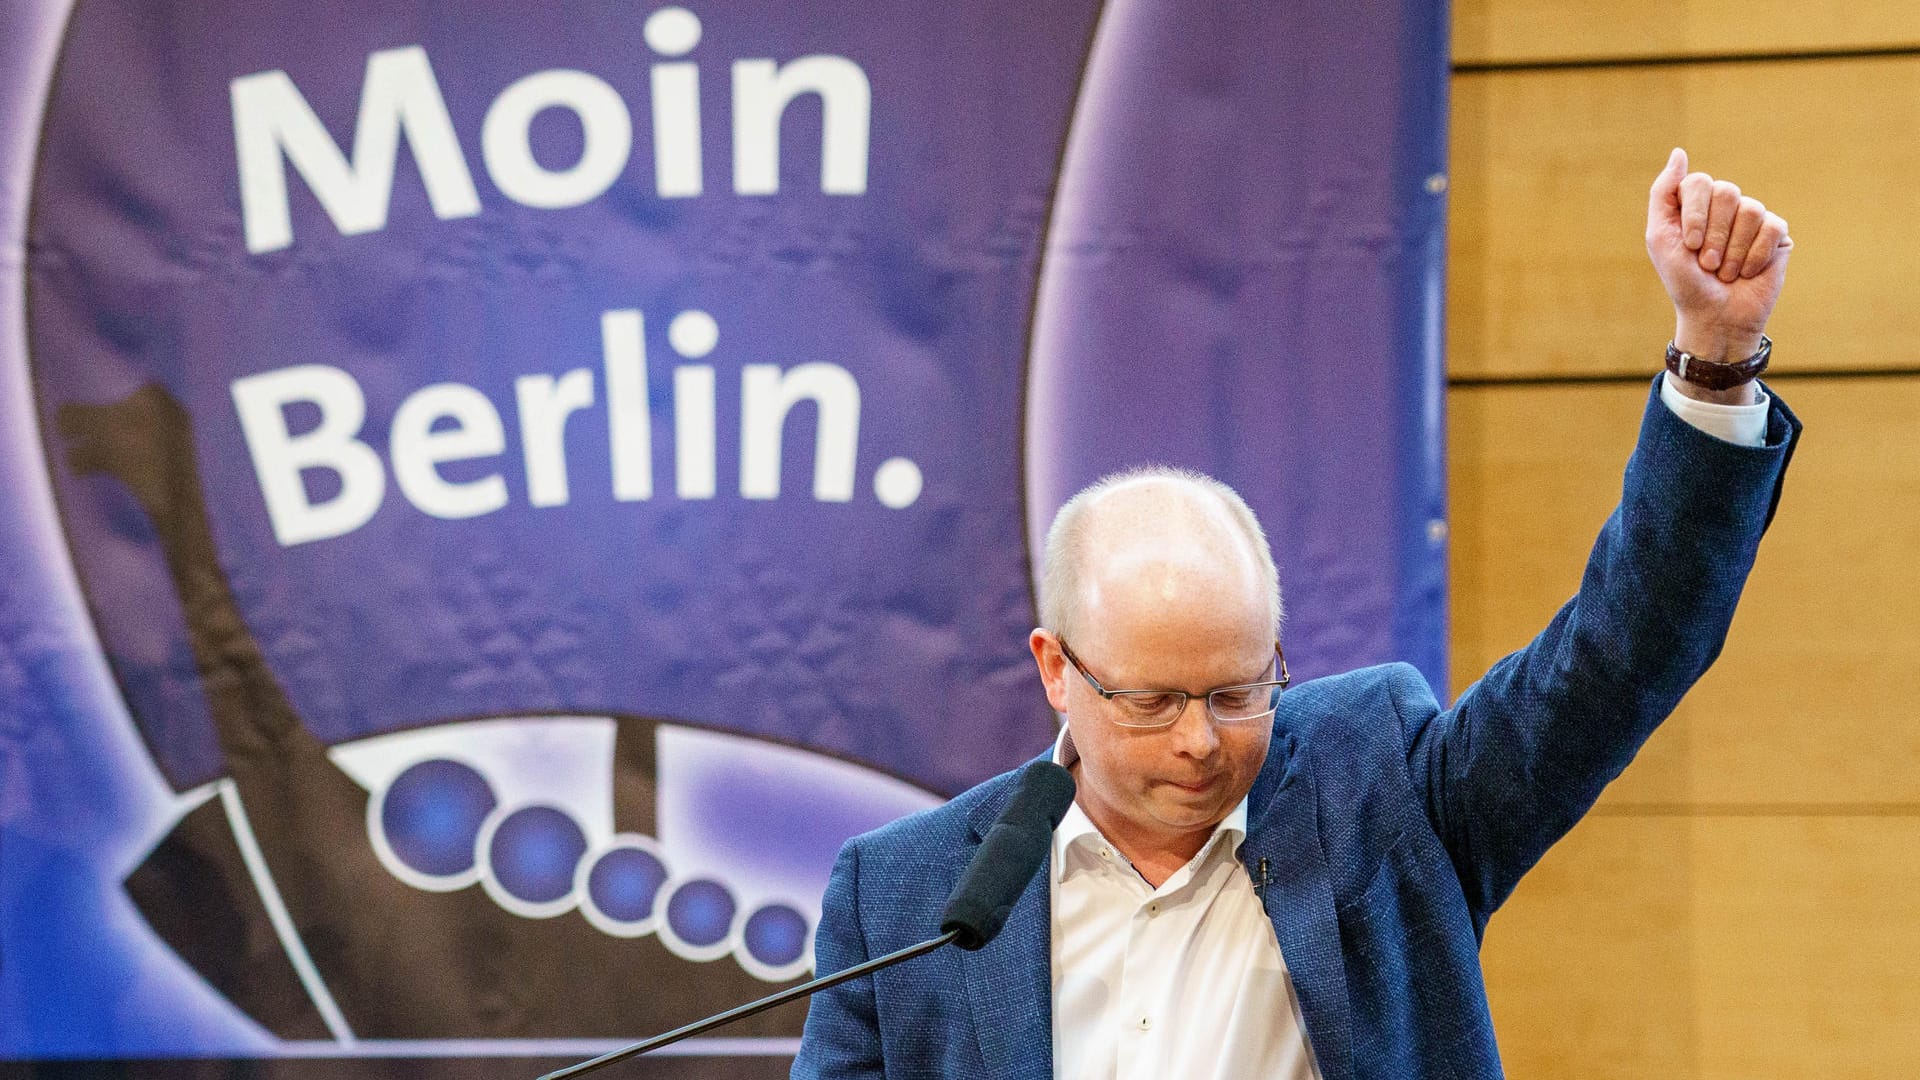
column 1191, row 812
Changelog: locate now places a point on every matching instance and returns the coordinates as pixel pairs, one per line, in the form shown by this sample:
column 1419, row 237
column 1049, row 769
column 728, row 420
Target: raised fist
column 1722, row 256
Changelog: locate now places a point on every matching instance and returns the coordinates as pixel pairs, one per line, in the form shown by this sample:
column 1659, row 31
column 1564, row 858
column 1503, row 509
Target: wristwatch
column 1714, row 375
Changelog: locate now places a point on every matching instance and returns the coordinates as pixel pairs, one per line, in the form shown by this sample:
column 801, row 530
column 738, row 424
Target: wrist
column 1717, row 381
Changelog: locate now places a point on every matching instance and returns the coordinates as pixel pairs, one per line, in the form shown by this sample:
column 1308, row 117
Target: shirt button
column 1146, row 1022
column 1153, row 909
column 1106, row 853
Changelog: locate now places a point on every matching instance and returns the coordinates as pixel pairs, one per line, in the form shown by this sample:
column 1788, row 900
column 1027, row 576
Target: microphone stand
column 741, row 1012
column 1010, row 854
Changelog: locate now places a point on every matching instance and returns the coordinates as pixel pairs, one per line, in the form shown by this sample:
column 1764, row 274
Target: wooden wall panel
column 1547, row 270
column 1509, row 31
column 1815, row 698
column 1714, row 948
column 1745, row 901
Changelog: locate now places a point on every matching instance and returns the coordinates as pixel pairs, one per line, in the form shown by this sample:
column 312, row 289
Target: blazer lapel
column 1284, row 830
column 1010, row 981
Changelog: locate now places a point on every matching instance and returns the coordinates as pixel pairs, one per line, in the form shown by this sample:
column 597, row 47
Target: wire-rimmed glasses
column 1237, row 704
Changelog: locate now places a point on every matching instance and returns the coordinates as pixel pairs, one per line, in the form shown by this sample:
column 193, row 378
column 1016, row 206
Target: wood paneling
column 1745, row 901
column 1548, row 274
column 1814, row 699
column 1506, row 31
column 1714, row 949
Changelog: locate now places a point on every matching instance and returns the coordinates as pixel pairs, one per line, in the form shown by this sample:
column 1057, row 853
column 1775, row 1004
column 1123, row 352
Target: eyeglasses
column 1159, row 708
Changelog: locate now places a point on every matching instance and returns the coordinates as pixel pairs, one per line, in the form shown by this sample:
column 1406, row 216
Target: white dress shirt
column 1186, row 981
column 1182, row 982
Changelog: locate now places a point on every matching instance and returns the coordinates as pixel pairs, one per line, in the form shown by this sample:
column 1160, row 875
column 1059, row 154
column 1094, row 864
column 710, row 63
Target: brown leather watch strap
column 1714, row 375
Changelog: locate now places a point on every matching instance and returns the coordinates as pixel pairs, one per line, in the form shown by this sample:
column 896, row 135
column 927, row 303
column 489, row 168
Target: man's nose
column 1192, row 730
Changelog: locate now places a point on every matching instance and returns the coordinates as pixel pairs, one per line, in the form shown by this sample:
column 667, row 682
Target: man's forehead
column 1156, row 613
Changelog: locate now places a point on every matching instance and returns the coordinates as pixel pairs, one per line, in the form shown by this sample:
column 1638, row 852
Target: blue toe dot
column 534, row 853
column 432, row 814
column 776, row 935
column 625, row 882
column 701, row 912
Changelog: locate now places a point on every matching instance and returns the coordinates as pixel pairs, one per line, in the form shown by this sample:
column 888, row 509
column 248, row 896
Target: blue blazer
column 1392, row 828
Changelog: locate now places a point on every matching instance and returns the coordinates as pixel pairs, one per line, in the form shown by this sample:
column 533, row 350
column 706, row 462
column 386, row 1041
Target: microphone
column 1010, row 854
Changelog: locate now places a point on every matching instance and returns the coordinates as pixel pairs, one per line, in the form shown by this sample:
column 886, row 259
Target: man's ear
column 1053, row 666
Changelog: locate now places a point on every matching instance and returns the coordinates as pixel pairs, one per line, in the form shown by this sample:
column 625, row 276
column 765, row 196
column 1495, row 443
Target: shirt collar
column 1078, row 833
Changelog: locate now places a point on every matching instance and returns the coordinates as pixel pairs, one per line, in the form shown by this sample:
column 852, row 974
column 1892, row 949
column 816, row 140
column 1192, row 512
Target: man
column 1263, row 884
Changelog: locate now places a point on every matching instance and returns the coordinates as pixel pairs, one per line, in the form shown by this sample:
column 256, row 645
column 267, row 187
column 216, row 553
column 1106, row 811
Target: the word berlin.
column 275, row 127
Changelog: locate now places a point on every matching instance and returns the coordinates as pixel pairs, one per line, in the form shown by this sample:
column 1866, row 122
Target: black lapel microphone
column 1010, row 854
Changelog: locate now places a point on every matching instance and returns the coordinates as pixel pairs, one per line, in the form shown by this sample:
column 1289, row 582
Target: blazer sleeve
column 842, row 1036
column 1527, row 749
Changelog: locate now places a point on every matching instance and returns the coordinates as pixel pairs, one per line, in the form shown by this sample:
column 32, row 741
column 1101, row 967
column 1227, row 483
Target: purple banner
column 495, row 497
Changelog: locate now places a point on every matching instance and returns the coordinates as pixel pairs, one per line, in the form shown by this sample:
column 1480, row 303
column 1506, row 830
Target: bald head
column 1155, row 539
